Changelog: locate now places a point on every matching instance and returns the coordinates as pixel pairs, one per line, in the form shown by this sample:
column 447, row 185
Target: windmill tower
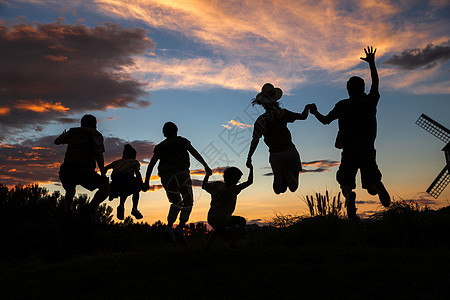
column 442, row 133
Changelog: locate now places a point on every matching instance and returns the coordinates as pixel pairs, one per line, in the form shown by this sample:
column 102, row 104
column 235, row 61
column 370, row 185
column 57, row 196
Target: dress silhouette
column 126, row 181
column 284, row 157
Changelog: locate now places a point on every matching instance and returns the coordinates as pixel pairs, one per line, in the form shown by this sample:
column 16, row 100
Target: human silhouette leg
column 350, row 201
column 100, row 195
column 68, row 181
column 134, row 211
column 188, row 197
column 239, row 223
column 185, row 187
column 68, row 200
column 211, row 237
column 279, row 184
column 293, row 166
column 292, row 180
column 173, row 195
column 371, row 178
column 383, row 194
column 346, row 177
column 121, row 208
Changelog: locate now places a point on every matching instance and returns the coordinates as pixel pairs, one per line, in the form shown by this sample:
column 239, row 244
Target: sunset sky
column 136, row 64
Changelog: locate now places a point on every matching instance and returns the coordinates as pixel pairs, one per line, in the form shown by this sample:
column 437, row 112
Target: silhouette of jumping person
column 356, row 137
column 124, row 183
column 84, row 151
column 284, row 158
column 173, row 169
column 223, row 203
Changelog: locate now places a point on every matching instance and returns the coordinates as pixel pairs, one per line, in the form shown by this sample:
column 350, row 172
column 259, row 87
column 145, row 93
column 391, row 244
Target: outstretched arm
column 370, row 58
column 325, row 120
column 198, row 157
column 253, row 145
column 304, row 114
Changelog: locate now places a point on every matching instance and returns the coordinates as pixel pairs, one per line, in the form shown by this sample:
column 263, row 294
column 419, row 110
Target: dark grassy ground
column 272, row 272
column 402, row 253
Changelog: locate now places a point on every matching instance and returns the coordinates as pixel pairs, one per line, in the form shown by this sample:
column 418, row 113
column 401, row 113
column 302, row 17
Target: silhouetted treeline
column 33, row 225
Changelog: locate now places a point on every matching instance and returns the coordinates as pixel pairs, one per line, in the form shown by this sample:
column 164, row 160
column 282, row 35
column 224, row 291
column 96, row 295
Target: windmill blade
column 447, row 154
column 434, row 128
column 440, row 183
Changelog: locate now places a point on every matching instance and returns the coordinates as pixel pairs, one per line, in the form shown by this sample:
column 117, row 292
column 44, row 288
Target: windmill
column 442, row 133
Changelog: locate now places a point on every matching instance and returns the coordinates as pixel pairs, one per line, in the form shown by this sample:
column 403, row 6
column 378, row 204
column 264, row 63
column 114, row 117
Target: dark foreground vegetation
column 402, row 252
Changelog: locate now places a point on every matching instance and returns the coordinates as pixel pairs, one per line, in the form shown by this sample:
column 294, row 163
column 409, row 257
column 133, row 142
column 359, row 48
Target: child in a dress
column 124, row 182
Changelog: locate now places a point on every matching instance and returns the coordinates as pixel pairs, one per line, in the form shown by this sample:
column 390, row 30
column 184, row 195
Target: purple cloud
column 52, row 70
column 427, row 57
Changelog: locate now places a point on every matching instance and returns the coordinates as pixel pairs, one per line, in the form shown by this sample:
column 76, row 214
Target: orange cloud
column 257, row 45
column 39, row 105
column 154, row 177
column 59, row 58
column 236, row 124
column 201, row 172
column 4, row 110
column 321, row 164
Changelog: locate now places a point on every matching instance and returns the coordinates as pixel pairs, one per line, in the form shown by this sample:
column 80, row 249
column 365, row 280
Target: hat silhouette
column 268, row 94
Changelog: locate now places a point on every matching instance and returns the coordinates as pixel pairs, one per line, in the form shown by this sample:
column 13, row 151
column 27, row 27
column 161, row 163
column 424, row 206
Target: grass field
column 402, row 253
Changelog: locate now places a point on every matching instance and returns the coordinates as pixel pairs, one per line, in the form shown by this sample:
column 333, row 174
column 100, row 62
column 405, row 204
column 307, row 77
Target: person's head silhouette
column 129, row 152
column 355, row 86
column 232, row 175
column 170, row 129
column 89, row 121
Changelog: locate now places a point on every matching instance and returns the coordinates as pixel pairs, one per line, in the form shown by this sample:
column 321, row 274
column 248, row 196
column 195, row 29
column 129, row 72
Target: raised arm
column 198, row 157
column 370, row 59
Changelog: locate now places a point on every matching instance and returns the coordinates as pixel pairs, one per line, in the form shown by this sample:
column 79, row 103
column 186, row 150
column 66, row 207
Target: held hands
column 145, row 186
column 312, row 108
column 370, row 54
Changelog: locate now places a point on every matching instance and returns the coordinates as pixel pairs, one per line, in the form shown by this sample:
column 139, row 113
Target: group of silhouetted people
column 356, row 137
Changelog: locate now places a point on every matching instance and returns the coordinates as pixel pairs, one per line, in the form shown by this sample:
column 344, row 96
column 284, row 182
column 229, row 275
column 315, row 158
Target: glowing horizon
column 136, row 64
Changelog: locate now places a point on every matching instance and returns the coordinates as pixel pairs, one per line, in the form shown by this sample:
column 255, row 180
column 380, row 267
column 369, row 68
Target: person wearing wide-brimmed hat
column 284, row 158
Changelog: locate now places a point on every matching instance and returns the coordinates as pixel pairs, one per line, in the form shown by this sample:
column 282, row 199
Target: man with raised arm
column 356, row 137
